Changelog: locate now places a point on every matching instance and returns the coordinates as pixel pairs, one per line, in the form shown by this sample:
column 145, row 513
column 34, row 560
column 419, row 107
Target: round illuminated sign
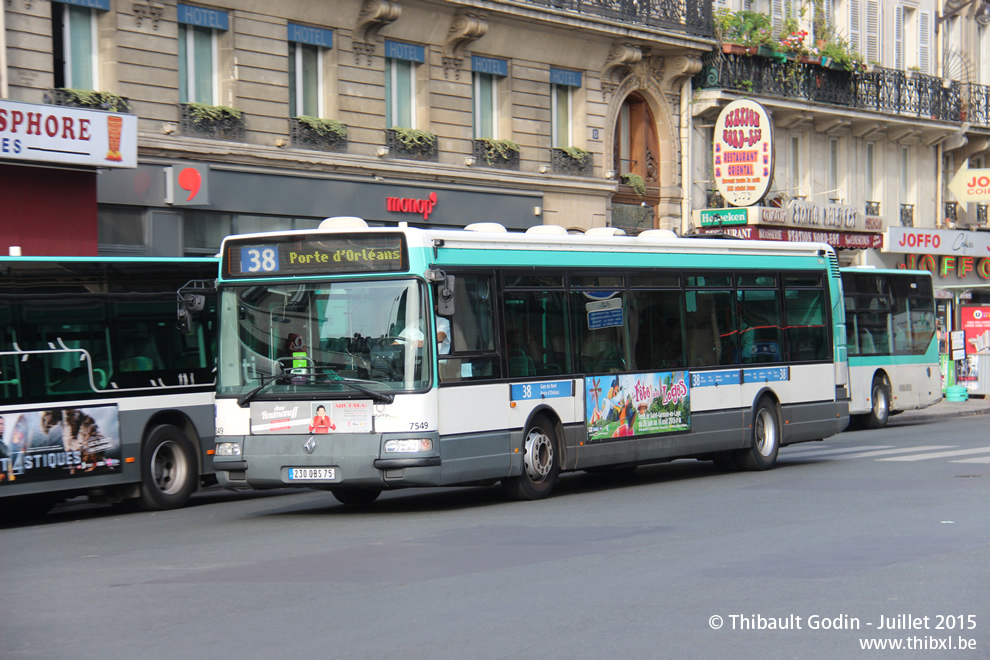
column 743, row 152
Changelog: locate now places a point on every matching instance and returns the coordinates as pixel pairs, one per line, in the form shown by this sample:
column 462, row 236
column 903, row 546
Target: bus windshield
column 312, row 339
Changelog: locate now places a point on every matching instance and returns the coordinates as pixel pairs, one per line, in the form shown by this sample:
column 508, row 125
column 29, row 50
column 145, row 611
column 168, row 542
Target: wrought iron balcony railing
column 885, row 90
column 950, row 212
column 691, row 16
column 873, row 208
column 981, row 215
column 907, row 215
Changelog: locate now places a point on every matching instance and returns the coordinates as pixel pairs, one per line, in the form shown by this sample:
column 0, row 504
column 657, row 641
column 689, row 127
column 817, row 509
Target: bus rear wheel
column 541, row 463
column 168, row 469
column 766, row 439
column 355, row 496
column 880, row 396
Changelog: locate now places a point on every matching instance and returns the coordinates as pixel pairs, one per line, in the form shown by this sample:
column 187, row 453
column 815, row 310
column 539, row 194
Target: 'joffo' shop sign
column 946, row 253
column 742, row 149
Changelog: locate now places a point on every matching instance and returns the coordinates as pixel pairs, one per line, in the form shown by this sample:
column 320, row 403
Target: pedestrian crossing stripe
column 979, row 459
column 833, row 452
column 940, row 454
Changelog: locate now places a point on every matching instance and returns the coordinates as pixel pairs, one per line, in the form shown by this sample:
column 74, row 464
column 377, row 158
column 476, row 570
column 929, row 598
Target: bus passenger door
column 473, row 409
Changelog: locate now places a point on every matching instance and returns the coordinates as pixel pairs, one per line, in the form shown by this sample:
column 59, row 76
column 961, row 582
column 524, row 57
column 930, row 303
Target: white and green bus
column 359, row 359
column 101, row 394
column 893, row 346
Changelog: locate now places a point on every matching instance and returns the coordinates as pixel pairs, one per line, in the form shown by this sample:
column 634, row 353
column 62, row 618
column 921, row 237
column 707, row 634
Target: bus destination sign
column 314, row 255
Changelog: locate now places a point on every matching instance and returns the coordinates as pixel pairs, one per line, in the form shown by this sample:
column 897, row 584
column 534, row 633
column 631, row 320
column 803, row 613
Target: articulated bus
column 103, row 395
column 892, row 343
column 357, row 359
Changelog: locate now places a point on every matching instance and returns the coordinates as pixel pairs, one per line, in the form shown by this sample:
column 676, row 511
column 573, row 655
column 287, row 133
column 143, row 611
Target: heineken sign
column 723, row 217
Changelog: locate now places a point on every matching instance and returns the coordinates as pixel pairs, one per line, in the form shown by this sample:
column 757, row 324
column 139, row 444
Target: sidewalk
column 973, row 406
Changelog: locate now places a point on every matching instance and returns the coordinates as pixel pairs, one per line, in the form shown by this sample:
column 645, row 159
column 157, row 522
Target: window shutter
column 899, row 37
column 776, row 16
column 855, row 34
column 873, row 31
column 925, row 41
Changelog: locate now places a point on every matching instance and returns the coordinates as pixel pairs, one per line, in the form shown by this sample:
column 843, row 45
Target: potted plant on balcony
column 635, row 182
column 88, row 98
column 571, row 160
column 745, row 33
column 217, row 121
column 502, row 154
column 411, row 143
column 317, row 133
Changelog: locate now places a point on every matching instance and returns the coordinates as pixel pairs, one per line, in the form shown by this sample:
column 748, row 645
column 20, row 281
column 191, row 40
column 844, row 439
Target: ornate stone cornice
column 375, row 14
column 466, row 26
column 620, row 57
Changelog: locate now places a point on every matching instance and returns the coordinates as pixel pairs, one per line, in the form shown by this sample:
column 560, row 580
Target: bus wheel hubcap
column 539, row 455
column 766, row 433
column 168, row 467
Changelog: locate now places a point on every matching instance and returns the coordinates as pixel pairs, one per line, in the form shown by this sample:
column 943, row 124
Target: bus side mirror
column 445, row 297
column 445, row 291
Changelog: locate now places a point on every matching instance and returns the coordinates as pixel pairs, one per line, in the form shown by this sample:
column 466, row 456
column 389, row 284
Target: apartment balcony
column 872, row 208
column 885, row 90
column 693, row 17
column 981, row 215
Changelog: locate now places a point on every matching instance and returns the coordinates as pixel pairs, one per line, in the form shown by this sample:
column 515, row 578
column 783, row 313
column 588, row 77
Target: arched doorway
column 635, row 154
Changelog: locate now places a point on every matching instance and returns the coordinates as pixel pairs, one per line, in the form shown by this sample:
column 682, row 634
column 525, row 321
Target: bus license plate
column 311, row 474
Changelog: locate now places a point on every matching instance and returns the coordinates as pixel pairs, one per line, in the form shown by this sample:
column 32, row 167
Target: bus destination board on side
column 315, row 255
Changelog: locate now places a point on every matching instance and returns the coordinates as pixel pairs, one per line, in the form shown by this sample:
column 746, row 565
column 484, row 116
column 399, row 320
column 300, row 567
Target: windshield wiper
column 377, row 397
column 246, row 398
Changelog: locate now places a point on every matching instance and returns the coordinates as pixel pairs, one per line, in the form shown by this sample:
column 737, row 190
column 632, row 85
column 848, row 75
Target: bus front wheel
column 168, row 469
column 541, row 463
column 880, row 396
column 766, row 439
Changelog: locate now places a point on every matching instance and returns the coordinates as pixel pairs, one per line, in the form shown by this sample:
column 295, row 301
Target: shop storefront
column 49, row 159
column 186, row 208
column 959, row 261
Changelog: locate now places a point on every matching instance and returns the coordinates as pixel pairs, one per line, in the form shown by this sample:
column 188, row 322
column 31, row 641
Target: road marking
column 833, row 452
column 979, row 459
column 938, row 454
column 902, row 450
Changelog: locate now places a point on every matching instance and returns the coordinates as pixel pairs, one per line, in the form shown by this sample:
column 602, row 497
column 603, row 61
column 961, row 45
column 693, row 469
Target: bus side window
column 472, row 330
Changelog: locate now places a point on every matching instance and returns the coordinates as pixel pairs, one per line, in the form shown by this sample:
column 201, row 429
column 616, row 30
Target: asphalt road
column 868, row 529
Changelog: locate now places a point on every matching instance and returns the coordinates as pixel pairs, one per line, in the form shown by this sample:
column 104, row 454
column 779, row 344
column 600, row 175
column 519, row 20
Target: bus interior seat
column 521, row 365
column 136, row 363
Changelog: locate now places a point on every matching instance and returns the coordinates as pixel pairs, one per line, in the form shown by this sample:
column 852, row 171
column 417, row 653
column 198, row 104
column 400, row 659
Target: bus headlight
column 408, row 446
column 228, row 449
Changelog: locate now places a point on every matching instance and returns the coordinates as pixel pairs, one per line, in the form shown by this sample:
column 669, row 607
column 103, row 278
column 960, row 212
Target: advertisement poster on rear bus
column 59, row 442
column 636, row 405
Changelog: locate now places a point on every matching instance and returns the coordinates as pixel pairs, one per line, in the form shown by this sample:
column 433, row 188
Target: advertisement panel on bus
column 59, row 442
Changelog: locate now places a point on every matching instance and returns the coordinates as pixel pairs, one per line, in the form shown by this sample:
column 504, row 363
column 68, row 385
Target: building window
column 560, row 117
column 869, row 167
column 199, row 53
column 74, row 39
column 121, row 230
column 903, row 180
column 400, row 83
column 833, row 169
column 305, row 80
column 485, row 80
column 306, row 50
column 485, row 106
column 795, row 190
column 562, row 84
column 197, row 75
